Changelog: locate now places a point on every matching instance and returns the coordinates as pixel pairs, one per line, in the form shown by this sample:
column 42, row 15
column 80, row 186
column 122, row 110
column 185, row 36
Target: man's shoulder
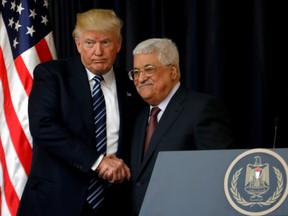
column 197, row 98
column 59, row 62
column 59, row 66
column 198, row 94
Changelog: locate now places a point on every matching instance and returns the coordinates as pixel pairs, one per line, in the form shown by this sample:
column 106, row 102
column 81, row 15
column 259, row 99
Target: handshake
column 113, row 169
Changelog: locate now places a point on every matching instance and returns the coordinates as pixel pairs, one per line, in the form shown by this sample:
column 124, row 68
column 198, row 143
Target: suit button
column 138, row 184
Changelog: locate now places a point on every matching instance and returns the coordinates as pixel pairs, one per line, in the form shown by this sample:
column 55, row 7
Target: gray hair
column 165, row 49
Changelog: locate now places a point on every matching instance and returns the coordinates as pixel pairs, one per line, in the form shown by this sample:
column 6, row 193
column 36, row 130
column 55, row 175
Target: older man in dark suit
column 187, row 120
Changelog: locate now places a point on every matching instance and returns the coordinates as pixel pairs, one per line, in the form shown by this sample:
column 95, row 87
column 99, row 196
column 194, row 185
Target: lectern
column 218, row 183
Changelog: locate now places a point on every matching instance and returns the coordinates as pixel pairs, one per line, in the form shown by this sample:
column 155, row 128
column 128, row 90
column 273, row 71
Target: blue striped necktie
column 96, row 188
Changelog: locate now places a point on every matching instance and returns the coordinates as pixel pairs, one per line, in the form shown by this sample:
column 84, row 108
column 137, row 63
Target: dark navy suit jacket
column 191, row 121
column 62, row 127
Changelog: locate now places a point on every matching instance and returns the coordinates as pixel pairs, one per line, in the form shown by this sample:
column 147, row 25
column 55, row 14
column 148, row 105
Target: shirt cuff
column 96, row 164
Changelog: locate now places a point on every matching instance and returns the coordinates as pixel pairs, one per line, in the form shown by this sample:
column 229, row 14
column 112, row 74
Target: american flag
column 25, row 40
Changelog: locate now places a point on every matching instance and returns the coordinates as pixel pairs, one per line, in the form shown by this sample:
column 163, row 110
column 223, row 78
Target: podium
column 204, row 183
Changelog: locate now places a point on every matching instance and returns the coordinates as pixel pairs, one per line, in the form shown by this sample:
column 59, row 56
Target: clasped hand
column 113, row 169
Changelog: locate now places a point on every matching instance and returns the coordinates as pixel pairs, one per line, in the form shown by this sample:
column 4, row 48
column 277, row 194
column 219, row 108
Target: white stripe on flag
column 16, row 78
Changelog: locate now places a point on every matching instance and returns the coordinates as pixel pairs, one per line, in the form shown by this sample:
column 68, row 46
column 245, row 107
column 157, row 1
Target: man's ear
column 119, row 45
column 77, row 43
column 174, row 71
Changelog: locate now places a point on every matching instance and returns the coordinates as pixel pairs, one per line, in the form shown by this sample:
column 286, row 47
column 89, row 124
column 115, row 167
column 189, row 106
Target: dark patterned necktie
column 96, row 188
column 151, row 126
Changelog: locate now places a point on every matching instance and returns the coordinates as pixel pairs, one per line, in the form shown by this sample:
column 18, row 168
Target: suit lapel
column 122, row 100
column 82, row 93
column 170, row 115
column 141, row 128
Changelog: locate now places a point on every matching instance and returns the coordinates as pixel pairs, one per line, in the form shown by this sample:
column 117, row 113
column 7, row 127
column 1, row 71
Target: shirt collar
column 109, row 77
column 165, row 102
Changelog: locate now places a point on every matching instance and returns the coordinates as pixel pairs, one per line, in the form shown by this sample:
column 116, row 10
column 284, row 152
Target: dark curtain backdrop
column 235, row 50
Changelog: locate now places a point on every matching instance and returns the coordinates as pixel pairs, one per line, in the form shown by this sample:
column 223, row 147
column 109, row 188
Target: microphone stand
column 275, row 131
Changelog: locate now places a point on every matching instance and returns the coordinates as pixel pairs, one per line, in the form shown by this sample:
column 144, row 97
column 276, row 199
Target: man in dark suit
column 187, row 120
column 65, row 158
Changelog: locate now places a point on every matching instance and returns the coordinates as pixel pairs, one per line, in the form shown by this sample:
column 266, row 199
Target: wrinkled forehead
column 143, row 59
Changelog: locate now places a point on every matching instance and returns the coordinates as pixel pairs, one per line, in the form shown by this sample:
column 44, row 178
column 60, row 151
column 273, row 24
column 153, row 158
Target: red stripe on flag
column 12, row 199
column 0, row 187
column 19, row 139
column 23, row 74
column 43, row 50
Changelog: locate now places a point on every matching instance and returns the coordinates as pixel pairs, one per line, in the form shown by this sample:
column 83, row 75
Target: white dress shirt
column 108, row 86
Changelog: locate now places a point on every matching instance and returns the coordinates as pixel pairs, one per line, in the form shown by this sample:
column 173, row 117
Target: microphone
column 275, row 130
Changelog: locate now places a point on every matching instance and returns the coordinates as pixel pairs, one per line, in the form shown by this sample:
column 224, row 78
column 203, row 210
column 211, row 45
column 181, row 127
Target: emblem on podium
column 256, row 182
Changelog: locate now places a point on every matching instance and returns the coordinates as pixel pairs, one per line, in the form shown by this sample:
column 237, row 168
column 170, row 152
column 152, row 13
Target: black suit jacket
column 62, row 127
column 191, row 121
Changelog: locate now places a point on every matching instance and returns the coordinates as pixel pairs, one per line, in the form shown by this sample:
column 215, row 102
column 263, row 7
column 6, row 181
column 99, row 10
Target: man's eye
column 89, row 43
column 149, row 69
column 136, row 72
column 105, row 42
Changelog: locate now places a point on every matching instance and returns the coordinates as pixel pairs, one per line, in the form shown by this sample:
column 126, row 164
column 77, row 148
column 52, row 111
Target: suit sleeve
column 55, row 123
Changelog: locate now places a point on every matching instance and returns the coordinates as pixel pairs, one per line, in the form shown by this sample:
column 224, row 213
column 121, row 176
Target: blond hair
column 98, row 20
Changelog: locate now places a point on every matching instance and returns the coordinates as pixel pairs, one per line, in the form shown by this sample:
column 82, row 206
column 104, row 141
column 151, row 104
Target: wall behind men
column 235, row 50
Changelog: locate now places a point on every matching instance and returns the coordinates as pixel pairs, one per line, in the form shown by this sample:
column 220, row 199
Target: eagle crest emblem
column 256, row 182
